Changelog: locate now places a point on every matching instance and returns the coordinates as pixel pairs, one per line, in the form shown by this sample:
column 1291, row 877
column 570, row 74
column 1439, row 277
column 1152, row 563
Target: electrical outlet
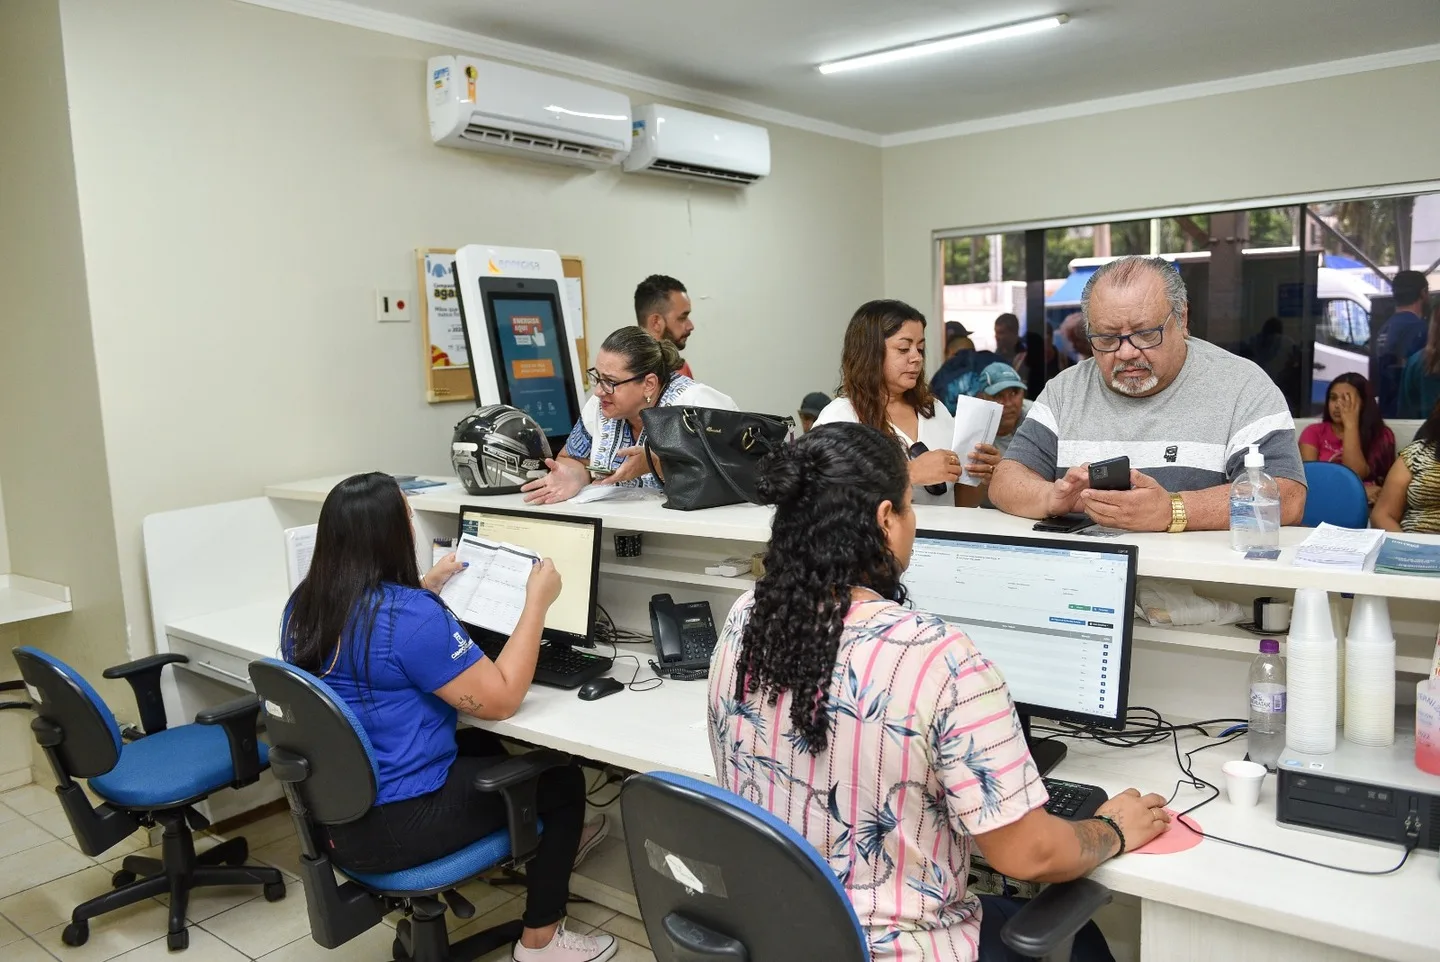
column 392, row 306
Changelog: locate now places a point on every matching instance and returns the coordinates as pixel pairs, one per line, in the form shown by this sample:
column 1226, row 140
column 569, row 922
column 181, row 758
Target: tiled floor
column 43, row 875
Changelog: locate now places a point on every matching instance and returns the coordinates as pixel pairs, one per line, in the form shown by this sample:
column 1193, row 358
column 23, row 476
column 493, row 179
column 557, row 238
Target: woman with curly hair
column 883, row 385
column 880, row 733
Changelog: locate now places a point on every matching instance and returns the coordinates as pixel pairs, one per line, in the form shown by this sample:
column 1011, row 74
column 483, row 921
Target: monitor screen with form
column 572, row 543
column 1053, row 616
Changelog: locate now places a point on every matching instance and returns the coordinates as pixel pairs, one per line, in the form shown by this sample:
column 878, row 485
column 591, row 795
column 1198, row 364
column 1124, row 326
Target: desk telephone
column 684, row 637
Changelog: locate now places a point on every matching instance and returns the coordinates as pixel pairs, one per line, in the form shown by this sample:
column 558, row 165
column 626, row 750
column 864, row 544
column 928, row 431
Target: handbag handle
column 720, row 468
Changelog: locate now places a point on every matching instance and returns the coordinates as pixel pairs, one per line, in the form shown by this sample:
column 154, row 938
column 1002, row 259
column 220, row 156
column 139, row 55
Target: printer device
column 1367, row 793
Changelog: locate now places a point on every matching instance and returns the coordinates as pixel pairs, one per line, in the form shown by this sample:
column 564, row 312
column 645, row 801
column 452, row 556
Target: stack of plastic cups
column 1370, row 675
column 1311, row 664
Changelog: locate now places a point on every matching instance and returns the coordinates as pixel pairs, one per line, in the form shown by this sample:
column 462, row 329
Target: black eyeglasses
column 1150, row 337
column 605, row 385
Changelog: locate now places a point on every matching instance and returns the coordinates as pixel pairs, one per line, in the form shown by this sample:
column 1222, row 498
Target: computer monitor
column 572, row 543
column 529, row 349
column 1054, row 616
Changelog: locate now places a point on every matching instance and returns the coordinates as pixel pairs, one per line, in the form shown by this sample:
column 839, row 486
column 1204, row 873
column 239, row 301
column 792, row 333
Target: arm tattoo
column 470, row 705
column 1098, row 841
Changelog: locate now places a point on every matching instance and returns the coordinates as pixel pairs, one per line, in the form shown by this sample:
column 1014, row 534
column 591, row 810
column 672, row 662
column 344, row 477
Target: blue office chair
column 153, row 780
column 323, row 758
column 719, row 878
column 1336, row 494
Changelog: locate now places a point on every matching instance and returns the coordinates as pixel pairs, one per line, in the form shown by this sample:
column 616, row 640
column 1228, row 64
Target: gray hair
column 1123, row 273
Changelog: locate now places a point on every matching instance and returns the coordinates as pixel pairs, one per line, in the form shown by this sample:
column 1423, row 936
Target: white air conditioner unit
column 482, row 105
column 682, row 143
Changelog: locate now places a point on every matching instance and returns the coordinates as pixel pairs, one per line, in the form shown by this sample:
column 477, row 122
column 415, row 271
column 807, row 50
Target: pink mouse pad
column 1177, row 837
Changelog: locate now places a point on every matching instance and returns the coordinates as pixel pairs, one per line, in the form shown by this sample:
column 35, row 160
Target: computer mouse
column 599, row 688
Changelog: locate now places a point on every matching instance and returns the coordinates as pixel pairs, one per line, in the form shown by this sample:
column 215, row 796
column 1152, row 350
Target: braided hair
column 827, row 489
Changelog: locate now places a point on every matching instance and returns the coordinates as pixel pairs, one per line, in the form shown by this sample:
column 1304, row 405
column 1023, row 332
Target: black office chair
column 721, row 880
column 153, row 780
column 323, row 758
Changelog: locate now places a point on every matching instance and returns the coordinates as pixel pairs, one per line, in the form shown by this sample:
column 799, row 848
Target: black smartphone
column 1064, row 523
column 1112, row 474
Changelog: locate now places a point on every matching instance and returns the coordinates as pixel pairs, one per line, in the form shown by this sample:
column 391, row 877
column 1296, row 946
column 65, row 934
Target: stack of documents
column 1339, row 549
column 1400, row 557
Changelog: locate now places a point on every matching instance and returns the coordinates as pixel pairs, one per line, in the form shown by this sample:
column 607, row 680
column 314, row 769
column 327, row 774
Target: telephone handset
column 684, row 634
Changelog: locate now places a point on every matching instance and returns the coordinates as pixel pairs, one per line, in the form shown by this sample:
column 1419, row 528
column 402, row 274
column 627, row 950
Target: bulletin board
column 447, row 365
column 574, row 270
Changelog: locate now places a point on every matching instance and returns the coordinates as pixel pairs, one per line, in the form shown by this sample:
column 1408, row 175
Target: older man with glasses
column 1182, row 410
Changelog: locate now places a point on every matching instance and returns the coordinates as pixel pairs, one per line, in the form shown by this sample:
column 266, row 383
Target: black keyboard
column 560, row 666
column 1072, row 800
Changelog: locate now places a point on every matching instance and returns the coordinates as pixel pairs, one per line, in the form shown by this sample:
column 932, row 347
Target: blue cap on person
column 996, row 378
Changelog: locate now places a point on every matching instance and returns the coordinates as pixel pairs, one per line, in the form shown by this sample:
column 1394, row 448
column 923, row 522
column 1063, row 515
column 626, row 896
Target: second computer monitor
column 1053, row 616
column 572, row 543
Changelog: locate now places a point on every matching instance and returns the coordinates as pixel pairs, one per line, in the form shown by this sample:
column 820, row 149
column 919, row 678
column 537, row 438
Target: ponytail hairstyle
column 645, row 355
column 862, row 363
column 827, row 489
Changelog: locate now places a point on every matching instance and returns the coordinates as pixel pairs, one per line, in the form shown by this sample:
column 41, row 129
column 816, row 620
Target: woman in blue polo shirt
column 367, row 623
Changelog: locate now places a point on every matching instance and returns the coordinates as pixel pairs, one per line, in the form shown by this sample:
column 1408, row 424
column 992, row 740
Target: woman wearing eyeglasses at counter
column 632, row 372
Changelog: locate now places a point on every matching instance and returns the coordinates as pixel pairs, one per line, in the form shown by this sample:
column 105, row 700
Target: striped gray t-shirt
column 1190, row 436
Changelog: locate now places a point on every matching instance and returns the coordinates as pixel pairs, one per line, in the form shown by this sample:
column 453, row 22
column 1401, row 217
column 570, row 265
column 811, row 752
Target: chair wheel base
column 241, row 853
column 76, row 934
column 178, row 941
column 122, row 878
column 275, row 891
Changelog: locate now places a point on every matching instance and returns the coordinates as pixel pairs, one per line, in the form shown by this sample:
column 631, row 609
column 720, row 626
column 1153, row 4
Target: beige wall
column 58, row 520
column 1350, row 132
column 247, row 178
column 4, row 539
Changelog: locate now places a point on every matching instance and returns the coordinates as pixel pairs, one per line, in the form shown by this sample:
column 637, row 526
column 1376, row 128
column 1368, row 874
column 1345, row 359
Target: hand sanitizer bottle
column 1254, row 506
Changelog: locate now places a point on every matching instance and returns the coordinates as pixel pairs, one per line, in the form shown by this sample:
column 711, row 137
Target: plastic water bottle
column 1254, row 506
column 1266, row 739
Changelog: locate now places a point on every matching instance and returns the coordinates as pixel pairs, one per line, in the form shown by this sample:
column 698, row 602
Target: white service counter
column 1212, row 902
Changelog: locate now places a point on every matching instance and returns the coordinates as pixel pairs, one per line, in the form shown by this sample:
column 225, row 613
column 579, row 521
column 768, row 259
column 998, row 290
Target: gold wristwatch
column 1177, row 514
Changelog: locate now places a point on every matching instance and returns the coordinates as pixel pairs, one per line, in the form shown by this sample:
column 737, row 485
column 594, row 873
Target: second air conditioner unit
column 683, row 143
column 482, row 105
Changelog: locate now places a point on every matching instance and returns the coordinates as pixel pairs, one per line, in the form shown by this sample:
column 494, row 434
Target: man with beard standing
column 1184, row 411
column 662, row 307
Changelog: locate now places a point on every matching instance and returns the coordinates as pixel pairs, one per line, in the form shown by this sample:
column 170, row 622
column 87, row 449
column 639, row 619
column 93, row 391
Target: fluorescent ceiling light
column 943, row 45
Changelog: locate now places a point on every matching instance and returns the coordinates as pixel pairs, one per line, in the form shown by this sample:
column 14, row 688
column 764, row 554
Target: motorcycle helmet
column 497, row 448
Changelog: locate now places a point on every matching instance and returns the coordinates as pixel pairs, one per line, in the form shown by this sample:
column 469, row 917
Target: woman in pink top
column 1351, row 432
column 880, row 733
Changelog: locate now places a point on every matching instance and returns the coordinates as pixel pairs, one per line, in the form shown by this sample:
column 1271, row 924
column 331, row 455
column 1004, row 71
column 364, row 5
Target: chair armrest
column 1053, row 917
column 238, row 718
column 517, row 780
column 143, row 674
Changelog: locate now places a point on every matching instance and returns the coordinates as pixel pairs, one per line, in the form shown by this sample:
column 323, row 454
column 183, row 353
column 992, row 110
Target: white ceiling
column 765, row 51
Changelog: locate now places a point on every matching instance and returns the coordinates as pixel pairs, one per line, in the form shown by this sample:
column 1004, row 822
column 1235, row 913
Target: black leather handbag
column 709, row 457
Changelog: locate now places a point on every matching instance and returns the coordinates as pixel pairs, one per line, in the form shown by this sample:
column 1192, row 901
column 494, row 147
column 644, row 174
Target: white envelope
column 977, row 421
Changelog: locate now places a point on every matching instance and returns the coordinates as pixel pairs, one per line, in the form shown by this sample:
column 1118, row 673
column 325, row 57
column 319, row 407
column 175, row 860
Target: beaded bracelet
column 1114, row 825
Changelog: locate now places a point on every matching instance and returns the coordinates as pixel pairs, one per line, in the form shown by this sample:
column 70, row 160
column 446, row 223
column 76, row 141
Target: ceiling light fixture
column 944, row 44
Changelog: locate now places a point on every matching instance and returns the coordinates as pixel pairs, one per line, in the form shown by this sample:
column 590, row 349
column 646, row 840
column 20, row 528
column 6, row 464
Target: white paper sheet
column 299, row 550
column 977, row 421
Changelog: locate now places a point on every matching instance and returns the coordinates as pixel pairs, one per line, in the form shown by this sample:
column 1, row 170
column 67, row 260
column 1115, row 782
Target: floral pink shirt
column 925, row 751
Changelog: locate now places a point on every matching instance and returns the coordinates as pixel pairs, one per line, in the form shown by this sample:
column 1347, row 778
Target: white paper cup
column 1370, row 619
column 1242, row 782
column 1310, row 616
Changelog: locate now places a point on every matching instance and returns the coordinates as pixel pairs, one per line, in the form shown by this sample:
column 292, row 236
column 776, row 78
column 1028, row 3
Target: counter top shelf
column 23, row 598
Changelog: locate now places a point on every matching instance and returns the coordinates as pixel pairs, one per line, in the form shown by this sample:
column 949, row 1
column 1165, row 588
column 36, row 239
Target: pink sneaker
column 595, row 831
column 567, row 946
